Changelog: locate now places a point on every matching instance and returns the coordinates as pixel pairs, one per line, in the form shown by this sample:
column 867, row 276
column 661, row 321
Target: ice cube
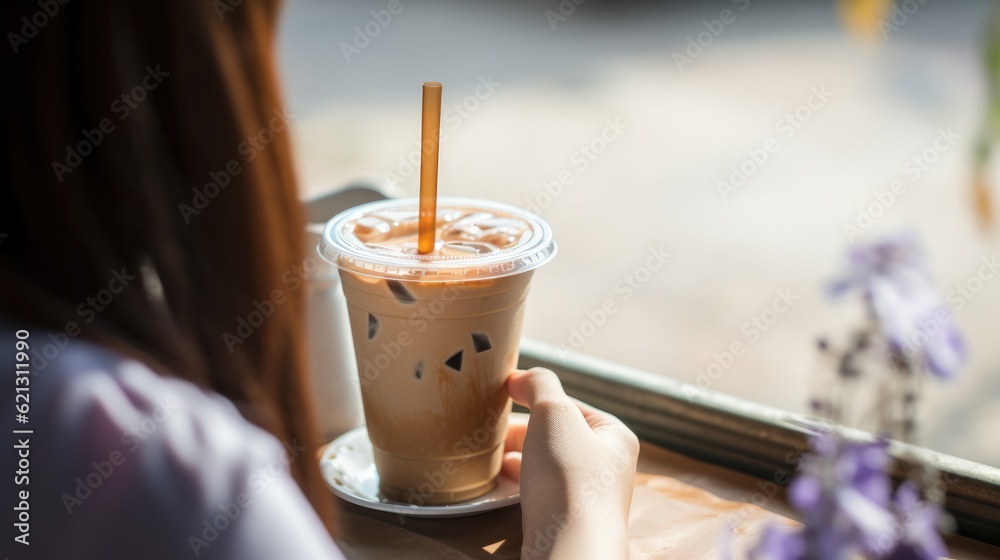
column 372, row 326
column 400, row 292
column 455, row 361
column 481, row 342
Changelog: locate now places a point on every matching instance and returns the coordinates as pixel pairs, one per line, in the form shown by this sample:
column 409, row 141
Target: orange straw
column 430, row 133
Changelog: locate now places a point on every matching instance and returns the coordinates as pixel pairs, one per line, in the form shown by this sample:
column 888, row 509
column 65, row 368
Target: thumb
column 536, row 386
column 539, row 388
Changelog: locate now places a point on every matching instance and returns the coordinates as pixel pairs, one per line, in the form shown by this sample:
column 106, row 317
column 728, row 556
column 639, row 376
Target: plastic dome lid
column 475, row 239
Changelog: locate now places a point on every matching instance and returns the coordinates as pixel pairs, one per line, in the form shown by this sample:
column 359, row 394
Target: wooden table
column 682, row 508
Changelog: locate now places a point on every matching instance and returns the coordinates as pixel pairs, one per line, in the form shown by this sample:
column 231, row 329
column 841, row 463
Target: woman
column 147, row 202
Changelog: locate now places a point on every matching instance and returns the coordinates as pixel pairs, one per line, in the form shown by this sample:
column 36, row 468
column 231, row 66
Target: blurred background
column 699, row 163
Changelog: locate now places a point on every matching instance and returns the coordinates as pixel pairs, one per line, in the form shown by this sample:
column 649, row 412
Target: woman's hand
column 576, row 466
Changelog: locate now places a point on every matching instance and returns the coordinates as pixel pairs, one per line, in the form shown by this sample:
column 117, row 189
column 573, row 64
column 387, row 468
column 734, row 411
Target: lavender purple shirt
column 125, row 463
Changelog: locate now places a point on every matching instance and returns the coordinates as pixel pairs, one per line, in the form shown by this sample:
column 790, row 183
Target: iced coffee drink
column 436, row 336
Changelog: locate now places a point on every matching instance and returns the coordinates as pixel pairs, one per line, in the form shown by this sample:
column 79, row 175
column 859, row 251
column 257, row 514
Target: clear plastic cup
column 436, row 336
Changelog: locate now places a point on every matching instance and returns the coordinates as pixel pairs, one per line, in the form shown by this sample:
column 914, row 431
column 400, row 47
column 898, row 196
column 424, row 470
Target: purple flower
column 837, row 465
column 844, row 485
column 844, row 494
column 895, row 280
column 918, row 522
column 780, row 543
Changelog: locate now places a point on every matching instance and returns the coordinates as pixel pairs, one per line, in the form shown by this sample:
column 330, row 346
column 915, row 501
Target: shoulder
column 132, row 462
column 93, row 402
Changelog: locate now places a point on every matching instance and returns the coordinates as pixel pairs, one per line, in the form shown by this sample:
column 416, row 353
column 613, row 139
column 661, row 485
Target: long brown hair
column 149, row 139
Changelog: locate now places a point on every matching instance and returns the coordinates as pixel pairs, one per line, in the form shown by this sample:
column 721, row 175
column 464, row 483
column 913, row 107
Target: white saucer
column 349, row 470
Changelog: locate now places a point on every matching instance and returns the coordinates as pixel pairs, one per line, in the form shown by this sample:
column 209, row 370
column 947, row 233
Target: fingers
column 608, row 425
column 597, row 418
column 511, row 466
column 534, row 386
column 554, row 412
column 541, row 392
column 517, row 428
